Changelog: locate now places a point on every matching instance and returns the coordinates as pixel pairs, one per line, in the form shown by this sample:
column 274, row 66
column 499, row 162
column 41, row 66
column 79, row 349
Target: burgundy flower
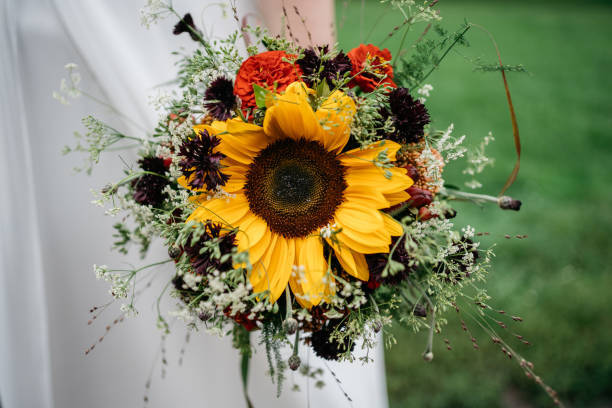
column 315, row 68
column 327, row 348
column 419, row 197
column 219, row 98
column 409, row 116
column 148, row 188
column 200, row 256
column 378, row 262
column 200, row 165
column 186, row 25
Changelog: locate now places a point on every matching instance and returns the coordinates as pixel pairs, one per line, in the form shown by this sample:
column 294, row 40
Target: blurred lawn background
column 560, row 278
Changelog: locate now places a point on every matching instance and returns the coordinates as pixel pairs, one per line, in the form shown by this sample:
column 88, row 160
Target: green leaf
column 260, row 95
column 323, row 89
column 244, row 374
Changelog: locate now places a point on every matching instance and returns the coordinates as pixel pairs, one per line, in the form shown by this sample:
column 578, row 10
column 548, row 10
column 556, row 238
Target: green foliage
column 260, row 96
column 427, row 54
column 123, row 236
column 274, row 339
column 277, row 44
column 241, row 340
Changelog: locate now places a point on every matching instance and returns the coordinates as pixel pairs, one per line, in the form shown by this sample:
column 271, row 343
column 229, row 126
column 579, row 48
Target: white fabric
column 24, row 355
column 51, row 234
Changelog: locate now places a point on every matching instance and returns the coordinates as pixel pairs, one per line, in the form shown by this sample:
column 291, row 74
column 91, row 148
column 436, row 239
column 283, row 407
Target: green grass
column 559, row 279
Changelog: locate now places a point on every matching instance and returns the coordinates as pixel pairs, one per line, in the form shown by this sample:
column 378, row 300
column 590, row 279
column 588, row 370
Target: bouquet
column 300, row 193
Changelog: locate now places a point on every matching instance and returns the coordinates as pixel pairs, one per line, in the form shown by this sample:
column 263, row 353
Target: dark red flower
column 409, row 116
column 219, row 98
column 186, row 25
column 201, row 256
column 148, row 188
column 200, row 160
column 242, row 319
column 419, row 197
column 327, row 348
column 269, row 69
column 380, row 69
column 425, row 214
column 315, row 68
column 378, row 262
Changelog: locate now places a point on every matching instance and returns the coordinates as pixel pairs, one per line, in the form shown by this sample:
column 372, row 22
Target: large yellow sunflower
column 289, row 180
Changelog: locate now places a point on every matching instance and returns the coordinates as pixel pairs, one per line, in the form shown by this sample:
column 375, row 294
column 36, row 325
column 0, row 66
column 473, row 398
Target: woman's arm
column 317, row 28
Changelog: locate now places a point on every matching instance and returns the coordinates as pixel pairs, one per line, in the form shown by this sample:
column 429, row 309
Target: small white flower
column 100, row 271
column 424, row 92
column 328, row 230
column 152, row 12
column 468, row 231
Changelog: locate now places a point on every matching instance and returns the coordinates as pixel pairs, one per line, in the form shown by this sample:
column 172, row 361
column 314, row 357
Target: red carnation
column 265, row 70
column 378, row 61
column 242, row 319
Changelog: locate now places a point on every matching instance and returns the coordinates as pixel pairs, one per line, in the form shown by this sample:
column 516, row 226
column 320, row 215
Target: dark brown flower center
column 295, row 186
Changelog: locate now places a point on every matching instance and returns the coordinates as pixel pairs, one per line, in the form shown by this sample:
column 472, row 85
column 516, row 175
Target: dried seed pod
column 290, row 325
column 294, row 362
column 174, row 251
column 509, row 203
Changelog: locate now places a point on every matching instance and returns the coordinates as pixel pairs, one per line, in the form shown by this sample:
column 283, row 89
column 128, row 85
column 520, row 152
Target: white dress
column 51, row 234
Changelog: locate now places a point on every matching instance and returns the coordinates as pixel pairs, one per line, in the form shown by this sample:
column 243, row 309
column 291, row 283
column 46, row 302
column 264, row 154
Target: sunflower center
column 295, row 186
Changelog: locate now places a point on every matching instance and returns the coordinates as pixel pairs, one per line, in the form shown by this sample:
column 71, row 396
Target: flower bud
column 290, row 325
column 294, row 362
column 509, row 203
column 413, row 173
column 419, row 197
column 425, row 214
column 377, row 326
column 428, row 356
column 204, row 316
column 174, row 251
column 419, row 311
column 109, row 189
column 450, row 213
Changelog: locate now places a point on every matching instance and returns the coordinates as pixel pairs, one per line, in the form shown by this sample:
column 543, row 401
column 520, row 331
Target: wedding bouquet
column 301, row 194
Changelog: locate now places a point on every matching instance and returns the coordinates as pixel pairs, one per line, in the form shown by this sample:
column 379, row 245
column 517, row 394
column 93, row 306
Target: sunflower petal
column 316, row 280
column 366, row 156
column 260, row 274
column 237, row 178
column 374, row 178
column 298, row 293
column 363, row 196
column 251, row 230
column 280, row 266
column 397, row 197
column 352, row 262
column 182, row 181
column 221, row 210
column 393, row 227
column 359, row 218
column 290, row 116
column 257, row 250
column 242, row 141
column 372, row 243
column 335, row 116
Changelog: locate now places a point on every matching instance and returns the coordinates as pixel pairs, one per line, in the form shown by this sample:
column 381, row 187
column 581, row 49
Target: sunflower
column 290, row 185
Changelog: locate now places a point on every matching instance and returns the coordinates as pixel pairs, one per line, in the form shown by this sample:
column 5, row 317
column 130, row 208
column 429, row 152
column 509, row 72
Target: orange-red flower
column 376, row 61
column 266, row 70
